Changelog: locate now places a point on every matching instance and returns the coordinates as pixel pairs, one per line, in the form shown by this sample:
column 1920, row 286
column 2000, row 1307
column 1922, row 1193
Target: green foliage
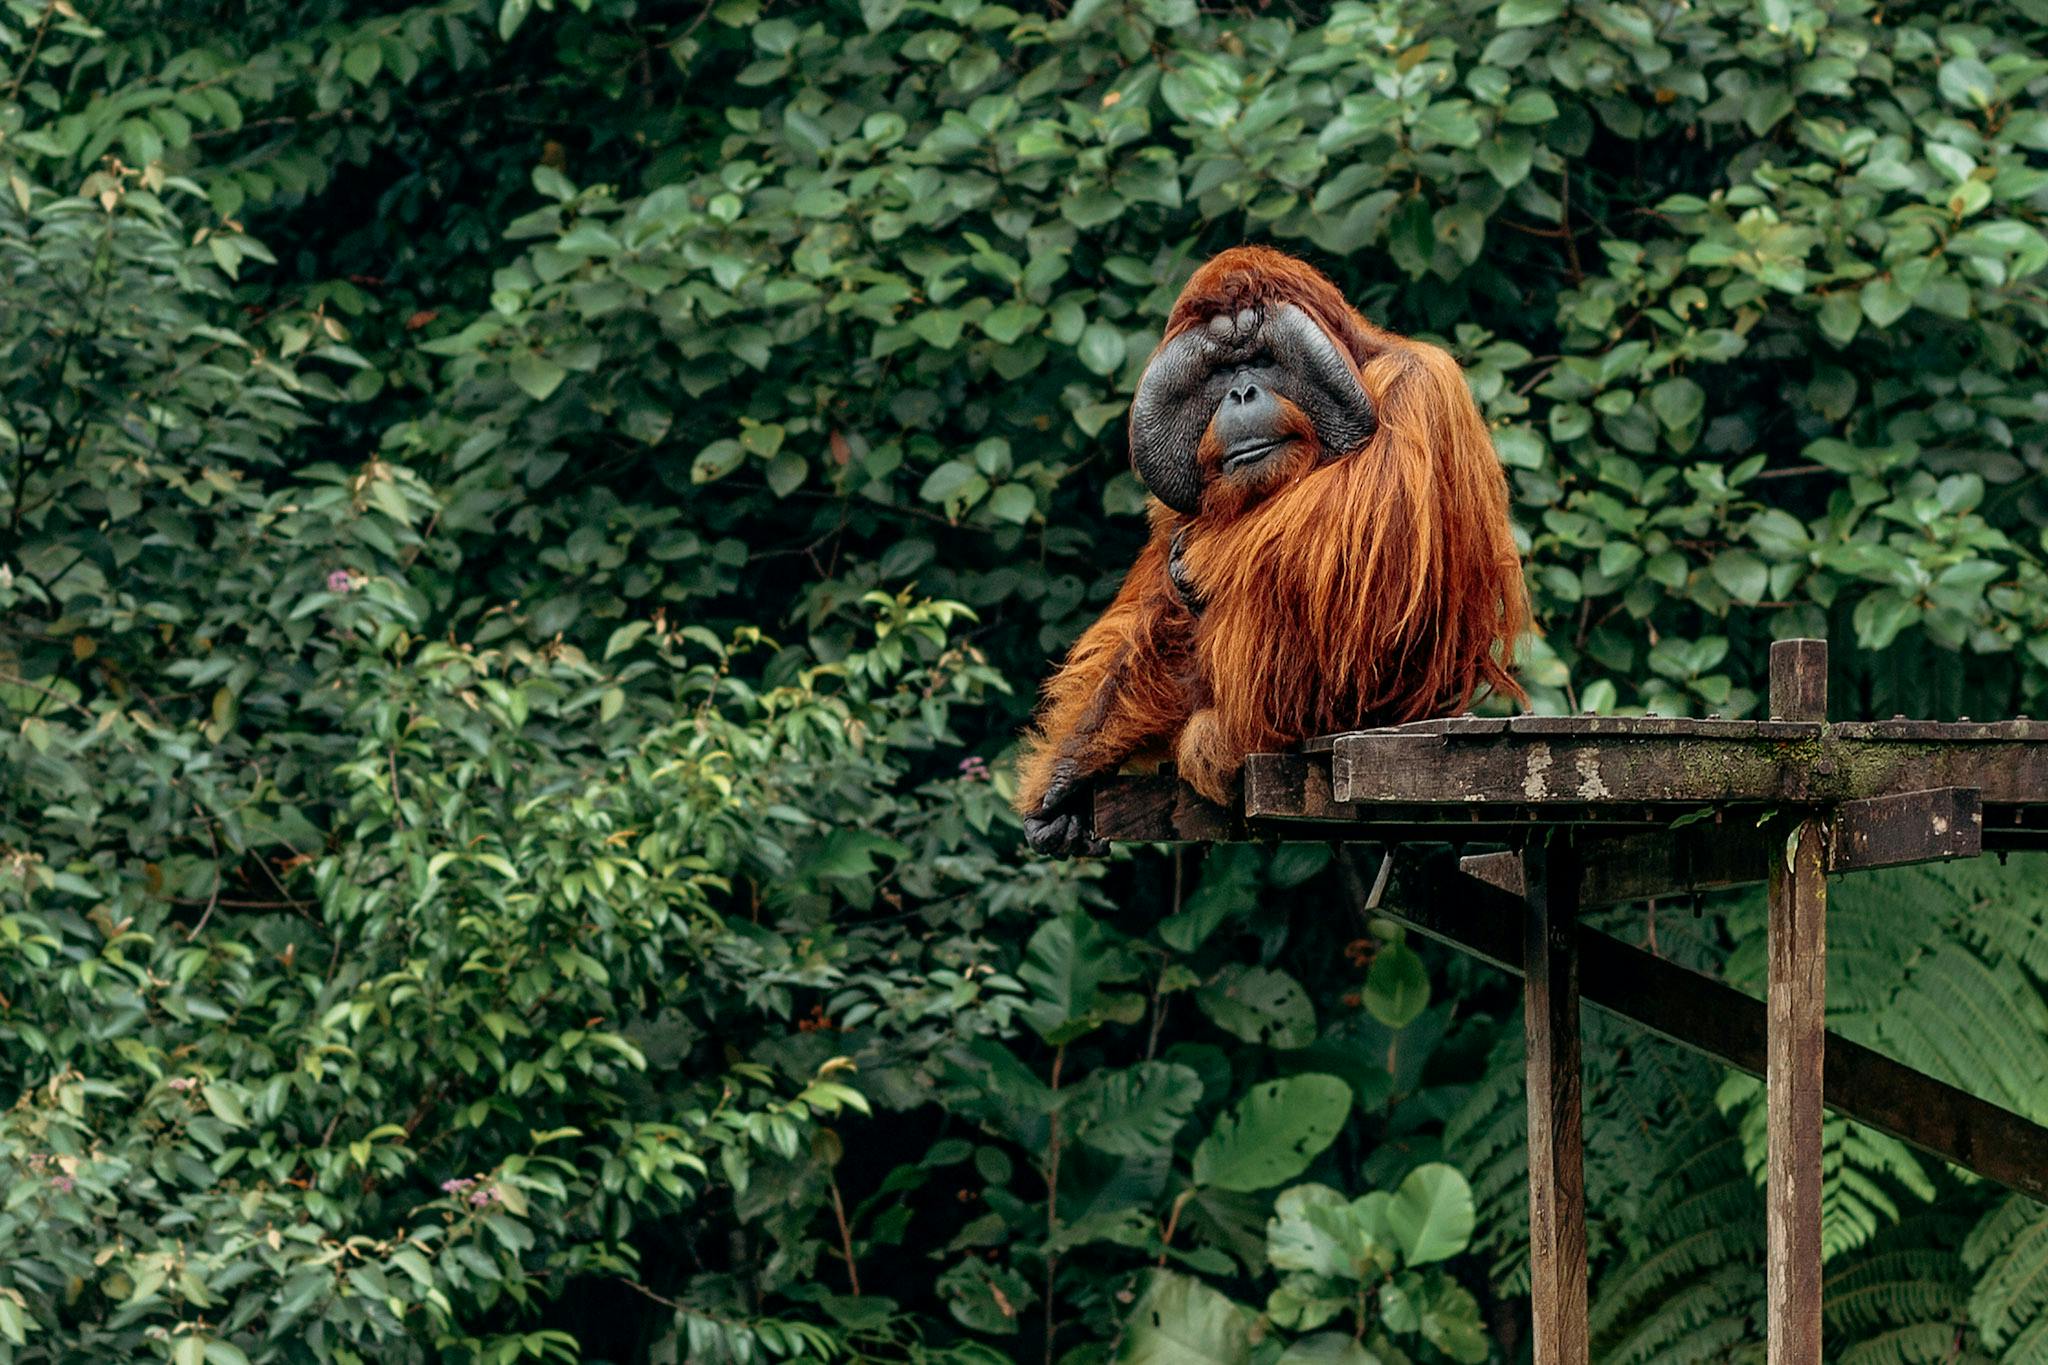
column 525, row 531
column 1345, row 1260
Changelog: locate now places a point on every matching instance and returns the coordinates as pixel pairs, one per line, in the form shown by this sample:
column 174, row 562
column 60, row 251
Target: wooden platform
column 1598, row 810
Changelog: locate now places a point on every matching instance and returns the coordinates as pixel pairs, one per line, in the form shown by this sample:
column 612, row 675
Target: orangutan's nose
column 1248, row 423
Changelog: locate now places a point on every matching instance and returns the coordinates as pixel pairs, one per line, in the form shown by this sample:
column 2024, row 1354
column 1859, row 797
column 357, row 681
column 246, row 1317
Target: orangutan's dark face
column 1252, row 396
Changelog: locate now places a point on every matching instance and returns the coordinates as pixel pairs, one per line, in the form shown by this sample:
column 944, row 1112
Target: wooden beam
column 1794, row 1081
column 1287, row 798
column 1885, row 831
column 1799, row 680
column 1160, row 808
column 1718, row 1021
column 1575, row 771
column 1557, row 1180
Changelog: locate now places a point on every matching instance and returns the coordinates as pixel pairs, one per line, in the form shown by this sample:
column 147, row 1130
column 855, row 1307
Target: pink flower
column 974, row 768
column 183, row 1082
column 341, row 580
column 62, row 1182
column 456, row 1186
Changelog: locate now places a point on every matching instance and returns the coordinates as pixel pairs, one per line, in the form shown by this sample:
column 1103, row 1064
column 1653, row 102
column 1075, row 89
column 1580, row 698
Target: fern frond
column 2009, row 1252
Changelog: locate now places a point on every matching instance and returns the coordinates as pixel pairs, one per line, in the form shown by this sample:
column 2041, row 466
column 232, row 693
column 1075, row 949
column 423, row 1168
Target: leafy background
column 529, row 529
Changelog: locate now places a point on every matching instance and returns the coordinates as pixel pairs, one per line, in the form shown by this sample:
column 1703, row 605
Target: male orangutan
column 1330, row 548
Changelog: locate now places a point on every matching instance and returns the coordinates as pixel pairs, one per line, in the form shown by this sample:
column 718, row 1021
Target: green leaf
column 1066, row 965
column 1273, row 1134
column 987, row 1296
column 951, row 481
column 1526, row 13
column 363, row 62
column 1328, row 1348
column 224, row 1105
column 536, row 375
column 717, row 460
column 1431, row 1215
column 1884, row 303
column 1014, row 503
column 1315, row 1229
column 1397, row 987
column 1530, row 106
column 878, row 15
column 1840, row 317
column 1260, row 1005
column 1102, row 348
column 1677, row 402
column 786, row 472
column 511, row 14
column 1229, row 886
column 1137, row 1111
column 1010, row 322
column 1178, row 1320
column 1967, row 82
column 1745, row 577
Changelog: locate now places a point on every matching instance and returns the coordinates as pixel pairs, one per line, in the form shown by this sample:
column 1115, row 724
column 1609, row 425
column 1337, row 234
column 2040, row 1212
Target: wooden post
column 1793, row 1083
column 1799, row 680
column 1557, row 1180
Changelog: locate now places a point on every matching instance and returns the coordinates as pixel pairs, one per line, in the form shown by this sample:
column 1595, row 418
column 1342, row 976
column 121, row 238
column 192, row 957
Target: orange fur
column 1376, row 587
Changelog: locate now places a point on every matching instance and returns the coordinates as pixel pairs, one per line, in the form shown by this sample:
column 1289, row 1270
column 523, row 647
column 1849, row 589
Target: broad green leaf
column 1431, row 1214
column 1273, row 1133
column 1066, row 965
column 1316, row 1229
column 1745, row 577
column 1260, row 1005
column 1138, row 1110
column 1397, row 987
column 537, row 375
column 1178, row 1320
column 1102, row 348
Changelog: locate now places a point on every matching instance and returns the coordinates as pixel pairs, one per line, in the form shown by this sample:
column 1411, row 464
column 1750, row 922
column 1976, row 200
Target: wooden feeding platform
column 1600, row 810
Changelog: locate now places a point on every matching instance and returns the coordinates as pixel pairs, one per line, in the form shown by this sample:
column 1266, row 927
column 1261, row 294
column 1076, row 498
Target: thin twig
column 213, row 900
column 28, row 62
column 845, row 1236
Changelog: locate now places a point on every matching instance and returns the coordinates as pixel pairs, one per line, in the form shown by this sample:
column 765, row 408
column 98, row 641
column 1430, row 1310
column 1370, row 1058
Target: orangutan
column 1330, row 548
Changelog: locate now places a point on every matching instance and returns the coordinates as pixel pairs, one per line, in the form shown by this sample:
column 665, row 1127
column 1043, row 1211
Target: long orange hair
column 1354, row 588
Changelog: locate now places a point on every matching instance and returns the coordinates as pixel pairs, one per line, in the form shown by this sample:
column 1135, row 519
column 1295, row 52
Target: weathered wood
column 1557, row 1182
column 1375, row 767
column 1822, row 768
column 1885, row 831
column 1799, row 680
column 1794, row 1084
column 1293, row 786
column 1716, row 1020
column 1912, row 827
column 1160, row 808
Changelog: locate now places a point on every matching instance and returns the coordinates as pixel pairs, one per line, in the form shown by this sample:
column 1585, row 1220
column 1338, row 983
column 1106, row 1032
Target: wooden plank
column 1912, row 827
column 1885, row 831
column 1160, row 808
column 1292, row 786
column 1794, row 1084
column 1557, row 1181
column 1799, row 680
column 1944, row 731
column 1563, row 770
column 1812, row 767
column 1718, row 1021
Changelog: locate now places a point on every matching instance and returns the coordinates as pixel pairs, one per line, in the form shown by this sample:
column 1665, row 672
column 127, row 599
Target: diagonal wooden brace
column 1883, row 831
column 1720, row 1022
